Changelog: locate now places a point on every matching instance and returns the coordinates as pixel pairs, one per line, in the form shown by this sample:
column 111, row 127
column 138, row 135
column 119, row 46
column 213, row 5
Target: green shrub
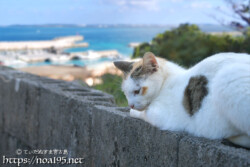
column 112, row 85
column 187, row 45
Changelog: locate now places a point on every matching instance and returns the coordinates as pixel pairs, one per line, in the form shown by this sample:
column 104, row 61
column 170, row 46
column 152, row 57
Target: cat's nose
column 132, row 106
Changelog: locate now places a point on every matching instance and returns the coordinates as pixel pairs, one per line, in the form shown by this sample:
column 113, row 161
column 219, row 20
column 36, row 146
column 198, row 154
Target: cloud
column 151, row 5
column 176, row 0
column 201, row 5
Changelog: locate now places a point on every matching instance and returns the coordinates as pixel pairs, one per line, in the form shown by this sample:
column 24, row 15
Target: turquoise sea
column 99, row 38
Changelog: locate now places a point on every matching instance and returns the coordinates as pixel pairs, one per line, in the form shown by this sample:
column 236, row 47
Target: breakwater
column 58, row 43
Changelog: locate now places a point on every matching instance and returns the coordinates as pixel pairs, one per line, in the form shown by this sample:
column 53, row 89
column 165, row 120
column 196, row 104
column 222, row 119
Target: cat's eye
column 136, row 92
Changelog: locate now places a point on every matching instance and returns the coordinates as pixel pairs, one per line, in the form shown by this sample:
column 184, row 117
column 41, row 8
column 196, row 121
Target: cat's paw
column 136, row 114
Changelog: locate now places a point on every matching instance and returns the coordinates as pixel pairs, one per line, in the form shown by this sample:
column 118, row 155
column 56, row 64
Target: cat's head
column 142, row 80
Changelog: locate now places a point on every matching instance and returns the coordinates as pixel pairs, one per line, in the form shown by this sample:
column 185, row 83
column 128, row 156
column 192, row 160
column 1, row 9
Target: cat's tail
column 231, row 93
column 241, row 140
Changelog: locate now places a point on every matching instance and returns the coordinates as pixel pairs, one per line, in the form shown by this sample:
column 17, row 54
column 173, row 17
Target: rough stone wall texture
column 40, row 113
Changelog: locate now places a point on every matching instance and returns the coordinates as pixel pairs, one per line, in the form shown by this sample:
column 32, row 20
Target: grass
column 112, row 85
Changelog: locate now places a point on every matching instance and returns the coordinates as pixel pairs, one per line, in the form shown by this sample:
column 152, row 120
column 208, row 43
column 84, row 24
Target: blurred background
column 77, row 40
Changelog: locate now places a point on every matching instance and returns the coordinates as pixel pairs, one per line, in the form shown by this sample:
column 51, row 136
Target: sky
column 164, row 12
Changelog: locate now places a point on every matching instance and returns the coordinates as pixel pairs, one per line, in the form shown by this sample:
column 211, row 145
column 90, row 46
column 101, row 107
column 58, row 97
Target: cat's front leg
column 137, row 114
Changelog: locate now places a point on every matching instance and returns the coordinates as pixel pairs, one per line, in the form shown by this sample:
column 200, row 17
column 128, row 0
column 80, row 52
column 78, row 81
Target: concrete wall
column 37, row 112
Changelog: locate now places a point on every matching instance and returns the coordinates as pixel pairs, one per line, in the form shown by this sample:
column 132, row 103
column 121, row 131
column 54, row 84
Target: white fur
column 225, row 111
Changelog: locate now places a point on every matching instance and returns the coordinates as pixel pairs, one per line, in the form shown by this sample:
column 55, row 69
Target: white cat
column 211, row 99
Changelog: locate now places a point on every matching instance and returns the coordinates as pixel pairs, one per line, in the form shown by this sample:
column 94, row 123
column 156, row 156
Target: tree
column 239, row 12
column 187, row 45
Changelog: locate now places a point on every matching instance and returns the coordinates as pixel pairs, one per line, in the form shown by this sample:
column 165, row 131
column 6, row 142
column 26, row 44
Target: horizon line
column 103, row 25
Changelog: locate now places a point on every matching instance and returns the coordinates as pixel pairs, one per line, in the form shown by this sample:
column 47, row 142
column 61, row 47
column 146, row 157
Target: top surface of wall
column 38, row 112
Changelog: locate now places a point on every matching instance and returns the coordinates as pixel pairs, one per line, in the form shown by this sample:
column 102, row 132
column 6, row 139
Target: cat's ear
column 150, row 62
column 124, row 66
